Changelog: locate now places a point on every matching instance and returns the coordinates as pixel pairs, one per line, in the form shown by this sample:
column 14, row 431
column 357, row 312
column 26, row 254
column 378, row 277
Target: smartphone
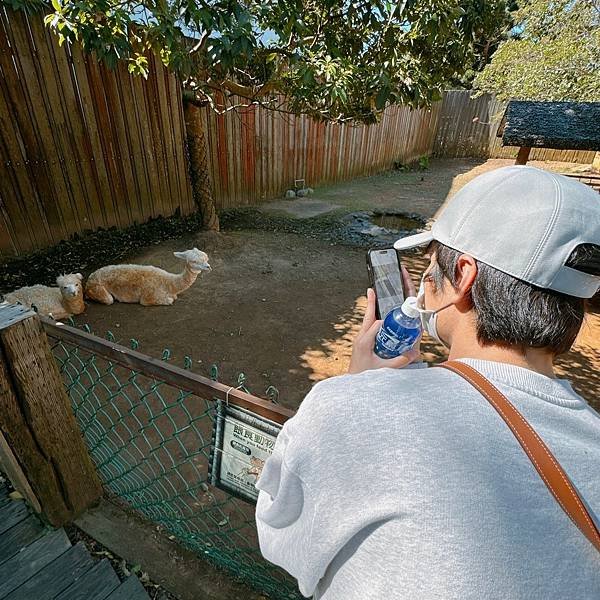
column 385, row 277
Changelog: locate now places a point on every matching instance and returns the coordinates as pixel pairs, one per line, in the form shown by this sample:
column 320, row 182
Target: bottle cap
column 409, row 307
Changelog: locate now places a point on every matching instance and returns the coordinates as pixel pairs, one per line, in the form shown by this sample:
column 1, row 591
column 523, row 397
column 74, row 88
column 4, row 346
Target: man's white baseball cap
column 524, row 222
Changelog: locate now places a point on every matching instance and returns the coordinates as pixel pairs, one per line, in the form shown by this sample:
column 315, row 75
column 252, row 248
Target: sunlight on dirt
column 581, row 366
column 333, row 356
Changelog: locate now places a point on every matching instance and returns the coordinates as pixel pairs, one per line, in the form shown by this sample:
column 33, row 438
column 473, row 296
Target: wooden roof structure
column 558, row 125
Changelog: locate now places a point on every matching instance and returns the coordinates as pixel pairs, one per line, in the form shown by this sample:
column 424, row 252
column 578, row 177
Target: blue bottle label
column 395, row 340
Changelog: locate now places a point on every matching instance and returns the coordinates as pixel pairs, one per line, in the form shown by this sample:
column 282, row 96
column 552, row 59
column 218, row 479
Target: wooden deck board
column 37, row 563
column 19, row 536
column 11, row 513
column 96, row 584
column 56, row 576
column 22, row 566
column 130, row 589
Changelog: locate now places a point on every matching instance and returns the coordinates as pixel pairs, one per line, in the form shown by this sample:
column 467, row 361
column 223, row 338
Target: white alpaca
column 145, row 284
column 56, row 302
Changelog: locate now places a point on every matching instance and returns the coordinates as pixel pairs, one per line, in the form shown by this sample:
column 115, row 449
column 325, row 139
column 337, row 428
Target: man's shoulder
column 404, row 381
column 381, row 388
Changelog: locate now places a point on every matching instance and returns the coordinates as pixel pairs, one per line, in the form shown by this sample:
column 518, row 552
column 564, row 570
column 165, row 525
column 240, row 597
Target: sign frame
column 239, row 431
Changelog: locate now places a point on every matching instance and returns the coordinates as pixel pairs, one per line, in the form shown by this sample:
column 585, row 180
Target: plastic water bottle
column 399, row 331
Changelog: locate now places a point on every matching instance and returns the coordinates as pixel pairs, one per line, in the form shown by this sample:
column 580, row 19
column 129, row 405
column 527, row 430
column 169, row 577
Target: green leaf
column 381, row 98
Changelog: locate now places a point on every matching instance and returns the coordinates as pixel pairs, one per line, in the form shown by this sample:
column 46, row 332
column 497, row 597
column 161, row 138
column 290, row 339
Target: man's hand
column 363, row 354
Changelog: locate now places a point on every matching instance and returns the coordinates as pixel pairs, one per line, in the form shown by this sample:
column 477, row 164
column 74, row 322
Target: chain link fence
column 148, row 426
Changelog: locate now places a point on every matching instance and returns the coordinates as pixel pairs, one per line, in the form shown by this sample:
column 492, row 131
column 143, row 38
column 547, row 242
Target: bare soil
column 283, row 308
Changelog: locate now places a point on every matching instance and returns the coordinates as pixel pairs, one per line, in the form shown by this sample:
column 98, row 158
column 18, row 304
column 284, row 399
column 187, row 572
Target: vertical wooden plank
column 105, row 131
column 87, row 139
column 156, row 89
column 270, row 154
column 263, row 154
column 88, row 203
column 216, row 159
column 24, row 107
column 150, row 86
column 57, row 205
column 217, row 126
column 222, row 154
column 286, row 151
column 248, row 154
column 93, row 135
column 67, row 181
column 19, row 197
column 228, row 151
column 326, row 152
column 166, row 149
column 125, row 185
column 151, row 162
column 235, row 144
column 298, row 148
column 132, row 144
column 9, row 244
column 178, row 197
column 179, row 142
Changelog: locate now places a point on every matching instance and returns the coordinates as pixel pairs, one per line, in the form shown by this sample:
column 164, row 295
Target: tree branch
column 201, row 42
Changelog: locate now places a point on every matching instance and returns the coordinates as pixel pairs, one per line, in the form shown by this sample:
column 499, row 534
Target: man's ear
column 466, row 272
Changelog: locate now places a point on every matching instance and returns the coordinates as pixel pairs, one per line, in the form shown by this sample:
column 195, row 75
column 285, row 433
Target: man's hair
column 510, row 311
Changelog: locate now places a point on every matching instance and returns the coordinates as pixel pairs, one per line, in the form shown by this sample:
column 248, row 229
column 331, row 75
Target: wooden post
column 523, row 155
column 38, row 424
column 596, row 162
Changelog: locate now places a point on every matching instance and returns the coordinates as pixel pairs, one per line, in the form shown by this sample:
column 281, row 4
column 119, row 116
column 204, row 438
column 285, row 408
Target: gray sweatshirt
column 407, row 484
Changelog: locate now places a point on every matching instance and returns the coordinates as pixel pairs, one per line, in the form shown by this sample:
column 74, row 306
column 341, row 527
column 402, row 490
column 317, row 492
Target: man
column 406, row 483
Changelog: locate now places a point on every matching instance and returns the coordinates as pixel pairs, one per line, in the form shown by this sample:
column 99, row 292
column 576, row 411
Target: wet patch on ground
column 358, row 229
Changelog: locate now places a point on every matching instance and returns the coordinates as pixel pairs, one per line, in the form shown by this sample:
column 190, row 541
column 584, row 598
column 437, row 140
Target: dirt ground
column 283, row 308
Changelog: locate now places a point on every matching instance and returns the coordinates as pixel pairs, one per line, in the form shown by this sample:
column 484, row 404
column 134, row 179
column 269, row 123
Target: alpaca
column 56, row 302
column 145, row 284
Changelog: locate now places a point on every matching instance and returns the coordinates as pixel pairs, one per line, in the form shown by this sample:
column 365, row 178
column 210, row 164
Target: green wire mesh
column 151, row 442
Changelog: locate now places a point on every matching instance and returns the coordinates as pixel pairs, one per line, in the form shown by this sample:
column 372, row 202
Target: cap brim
column 412, row 241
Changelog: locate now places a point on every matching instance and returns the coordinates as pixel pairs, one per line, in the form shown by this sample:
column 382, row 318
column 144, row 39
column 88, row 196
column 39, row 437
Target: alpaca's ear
column 179, row 254
column 79, row 276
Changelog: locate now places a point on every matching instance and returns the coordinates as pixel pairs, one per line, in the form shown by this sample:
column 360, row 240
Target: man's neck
column 534, row 359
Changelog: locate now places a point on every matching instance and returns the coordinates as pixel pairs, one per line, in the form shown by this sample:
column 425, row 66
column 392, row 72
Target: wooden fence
column 81, row 146
column 256, row 154
column 458, row 135
column 84, row 147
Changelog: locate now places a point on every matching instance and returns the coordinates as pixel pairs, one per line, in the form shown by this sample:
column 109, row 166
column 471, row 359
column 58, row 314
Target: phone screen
column 386, row 279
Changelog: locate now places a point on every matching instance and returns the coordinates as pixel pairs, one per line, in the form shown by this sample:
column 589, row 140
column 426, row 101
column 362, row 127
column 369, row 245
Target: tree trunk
column 201, row 183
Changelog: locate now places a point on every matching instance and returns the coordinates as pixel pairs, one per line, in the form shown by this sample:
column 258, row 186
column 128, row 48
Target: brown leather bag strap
column 543, row 460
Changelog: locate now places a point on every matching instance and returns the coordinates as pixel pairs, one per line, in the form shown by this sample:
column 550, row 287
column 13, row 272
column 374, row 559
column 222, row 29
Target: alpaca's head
column 70, row 285
column 196, row 259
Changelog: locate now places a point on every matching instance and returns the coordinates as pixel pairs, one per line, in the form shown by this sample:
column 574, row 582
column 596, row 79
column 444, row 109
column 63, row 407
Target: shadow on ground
column 282, row 307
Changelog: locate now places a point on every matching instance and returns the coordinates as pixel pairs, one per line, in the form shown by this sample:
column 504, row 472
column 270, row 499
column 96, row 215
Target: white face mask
column 429, row 317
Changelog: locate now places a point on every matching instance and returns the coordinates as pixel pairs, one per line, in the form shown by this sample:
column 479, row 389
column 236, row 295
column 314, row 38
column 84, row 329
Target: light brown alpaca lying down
column 56, row 302
column 145, row 284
